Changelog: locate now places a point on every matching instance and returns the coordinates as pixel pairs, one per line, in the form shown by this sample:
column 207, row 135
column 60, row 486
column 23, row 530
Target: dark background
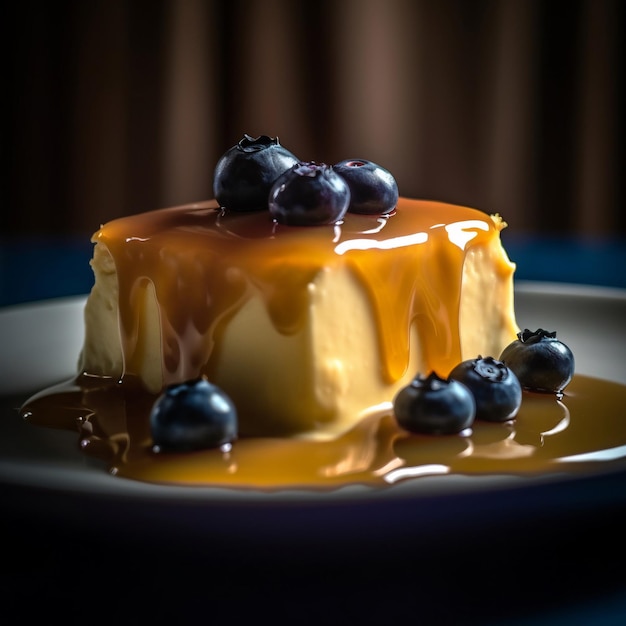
column 112, row 107
column 122, row 106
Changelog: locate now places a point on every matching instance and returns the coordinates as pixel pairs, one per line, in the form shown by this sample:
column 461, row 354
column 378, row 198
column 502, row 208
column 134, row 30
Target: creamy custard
column 308, row 329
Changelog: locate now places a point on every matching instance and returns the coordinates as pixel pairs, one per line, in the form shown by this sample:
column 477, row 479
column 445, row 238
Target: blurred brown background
column 121, row 106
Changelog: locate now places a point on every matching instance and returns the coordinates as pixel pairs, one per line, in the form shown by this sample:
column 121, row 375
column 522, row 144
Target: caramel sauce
column 582, row 432
column 203, row 262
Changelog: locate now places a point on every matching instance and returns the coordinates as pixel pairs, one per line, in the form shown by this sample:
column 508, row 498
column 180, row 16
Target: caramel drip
column 583, row 432
column 203, row 263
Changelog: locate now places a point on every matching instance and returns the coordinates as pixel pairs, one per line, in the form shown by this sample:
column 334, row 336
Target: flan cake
column 308, row 329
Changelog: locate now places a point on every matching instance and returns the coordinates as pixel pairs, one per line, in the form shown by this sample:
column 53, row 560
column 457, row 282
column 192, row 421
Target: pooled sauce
column 585, row 431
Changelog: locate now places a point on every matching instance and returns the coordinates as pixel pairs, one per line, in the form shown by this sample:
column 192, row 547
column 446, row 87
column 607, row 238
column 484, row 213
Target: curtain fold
column 511, row 106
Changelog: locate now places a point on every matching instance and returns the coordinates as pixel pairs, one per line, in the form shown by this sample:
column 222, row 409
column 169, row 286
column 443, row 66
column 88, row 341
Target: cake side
column 487, row 311
column 306, row 329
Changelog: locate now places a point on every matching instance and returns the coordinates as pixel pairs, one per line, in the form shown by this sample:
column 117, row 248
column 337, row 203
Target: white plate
column 41, row 342
column 477, row 530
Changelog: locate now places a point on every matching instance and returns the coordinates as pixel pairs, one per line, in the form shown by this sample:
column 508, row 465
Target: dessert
column 312, row 329
column 307, row 329
column 310, row 310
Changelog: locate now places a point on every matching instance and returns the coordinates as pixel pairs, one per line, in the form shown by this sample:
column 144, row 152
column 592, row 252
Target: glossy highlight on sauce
column 581, row 432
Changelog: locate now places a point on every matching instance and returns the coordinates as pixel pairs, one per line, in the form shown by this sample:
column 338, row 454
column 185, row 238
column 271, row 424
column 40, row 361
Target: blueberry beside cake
column 310, row 294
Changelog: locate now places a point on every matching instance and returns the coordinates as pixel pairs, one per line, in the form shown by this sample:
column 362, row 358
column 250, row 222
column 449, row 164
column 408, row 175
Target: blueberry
column 435, row 406
column 496, row 389
column 193, row 415
column 373, row 189
column 540, row 361
column 245, row 173
column 309, row 194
